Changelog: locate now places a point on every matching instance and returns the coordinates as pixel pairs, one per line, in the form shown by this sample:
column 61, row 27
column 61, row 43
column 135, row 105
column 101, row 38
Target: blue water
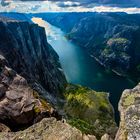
column 80, row 68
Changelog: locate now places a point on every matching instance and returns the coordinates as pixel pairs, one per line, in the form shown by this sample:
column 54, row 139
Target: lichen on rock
column 129, row 107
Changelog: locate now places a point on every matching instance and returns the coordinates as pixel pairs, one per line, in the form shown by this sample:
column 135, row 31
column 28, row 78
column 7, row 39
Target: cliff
column 27, row 51
column 129, row 107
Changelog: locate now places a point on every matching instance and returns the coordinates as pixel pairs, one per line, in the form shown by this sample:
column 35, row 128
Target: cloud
column 69, row 6
column 115, row 3
column 90, row 3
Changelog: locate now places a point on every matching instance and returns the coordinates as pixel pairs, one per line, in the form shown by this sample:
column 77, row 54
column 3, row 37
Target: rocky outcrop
column 19, row 103
column 48, row 129
column 27, row 51
column 129, row 107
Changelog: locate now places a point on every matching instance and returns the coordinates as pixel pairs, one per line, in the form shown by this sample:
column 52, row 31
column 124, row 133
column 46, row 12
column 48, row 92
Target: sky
column 129, row 6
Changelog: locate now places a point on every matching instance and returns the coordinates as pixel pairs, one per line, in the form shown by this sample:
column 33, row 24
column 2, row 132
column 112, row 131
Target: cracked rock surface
column 19, row 103
column 129, row 107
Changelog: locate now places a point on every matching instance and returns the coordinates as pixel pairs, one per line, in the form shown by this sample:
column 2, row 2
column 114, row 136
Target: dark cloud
column 4, row 3
column 89, row 3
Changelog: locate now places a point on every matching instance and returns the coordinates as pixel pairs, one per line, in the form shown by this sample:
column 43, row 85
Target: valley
column 82, row 69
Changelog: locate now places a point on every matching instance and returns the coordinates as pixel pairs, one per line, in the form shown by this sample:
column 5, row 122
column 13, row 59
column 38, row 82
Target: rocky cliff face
column 111, row 38
column 20, row 105
column 27, row 51
column 129, row 107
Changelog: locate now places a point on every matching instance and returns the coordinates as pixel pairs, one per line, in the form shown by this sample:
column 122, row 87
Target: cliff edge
column 27, row 51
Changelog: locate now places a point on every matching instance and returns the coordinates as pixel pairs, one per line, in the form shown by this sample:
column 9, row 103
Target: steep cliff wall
column 25, row 47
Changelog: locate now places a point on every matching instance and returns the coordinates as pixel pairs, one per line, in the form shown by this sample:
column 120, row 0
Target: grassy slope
column 89, row 111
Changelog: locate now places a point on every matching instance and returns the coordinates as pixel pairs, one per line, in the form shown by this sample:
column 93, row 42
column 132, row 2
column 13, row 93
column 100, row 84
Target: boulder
column 106, row 137
column 129, row 107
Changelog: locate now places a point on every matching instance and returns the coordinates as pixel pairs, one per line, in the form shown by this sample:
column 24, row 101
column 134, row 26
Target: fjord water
column 82, row 69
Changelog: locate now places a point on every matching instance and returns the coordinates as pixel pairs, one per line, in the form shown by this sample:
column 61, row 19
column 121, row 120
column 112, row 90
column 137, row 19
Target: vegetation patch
column 43, row 106
column 118, row 41
column 118, row 44
column 89, row 111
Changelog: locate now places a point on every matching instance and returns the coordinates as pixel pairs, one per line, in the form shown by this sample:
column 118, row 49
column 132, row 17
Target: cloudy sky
column 129, row 6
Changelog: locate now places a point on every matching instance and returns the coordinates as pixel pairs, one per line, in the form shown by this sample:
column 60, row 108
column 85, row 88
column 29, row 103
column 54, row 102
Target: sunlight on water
column 65, row 49
column 51, row 33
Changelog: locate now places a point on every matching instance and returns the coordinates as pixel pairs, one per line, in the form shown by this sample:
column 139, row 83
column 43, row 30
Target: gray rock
column 48, row 129
column 129, row 107
column 19, row 103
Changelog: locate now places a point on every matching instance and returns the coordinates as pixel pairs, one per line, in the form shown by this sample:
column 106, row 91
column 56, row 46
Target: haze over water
column 80, row 68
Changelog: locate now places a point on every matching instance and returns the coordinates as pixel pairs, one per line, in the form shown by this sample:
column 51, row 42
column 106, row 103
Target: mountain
column 110, row 38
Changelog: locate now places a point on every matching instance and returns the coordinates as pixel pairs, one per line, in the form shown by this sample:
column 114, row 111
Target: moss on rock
column 89, row 111
column 43, row 105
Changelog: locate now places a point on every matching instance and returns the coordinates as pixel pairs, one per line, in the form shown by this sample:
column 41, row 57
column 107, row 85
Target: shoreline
column 113, row 70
